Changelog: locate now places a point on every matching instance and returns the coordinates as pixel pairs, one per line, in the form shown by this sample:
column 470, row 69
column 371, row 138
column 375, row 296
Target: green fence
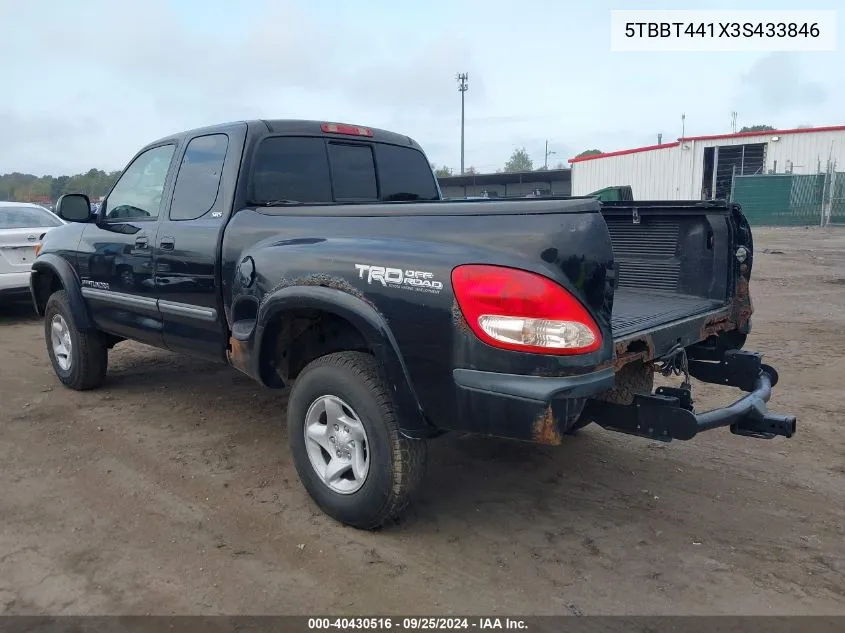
column 791, row 199
column 780, row 199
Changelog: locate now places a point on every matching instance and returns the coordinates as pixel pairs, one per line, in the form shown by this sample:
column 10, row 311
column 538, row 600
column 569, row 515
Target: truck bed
column 670, row 264
column 641, row 310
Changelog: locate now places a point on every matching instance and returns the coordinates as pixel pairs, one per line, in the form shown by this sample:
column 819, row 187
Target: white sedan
column 22, row 225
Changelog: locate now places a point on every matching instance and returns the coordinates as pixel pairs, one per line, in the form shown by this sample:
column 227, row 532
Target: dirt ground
column 170, row 490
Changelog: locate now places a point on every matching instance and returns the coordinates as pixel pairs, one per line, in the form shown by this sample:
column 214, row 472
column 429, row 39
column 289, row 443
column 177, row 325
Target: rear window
column 27, row 218
column 353, row 172
column 291, row 169
column 405, row 174
column 315, row 170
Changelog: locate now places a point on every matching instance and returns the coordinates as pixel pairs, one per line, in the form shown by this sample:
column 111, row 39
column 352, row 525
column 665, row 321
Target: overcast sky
column 87, row 82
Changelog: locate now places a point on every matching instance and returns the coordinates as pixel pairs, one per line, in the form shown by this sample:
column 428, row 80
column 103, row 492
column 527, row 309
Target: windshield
column 311, row 170
column 27, row 218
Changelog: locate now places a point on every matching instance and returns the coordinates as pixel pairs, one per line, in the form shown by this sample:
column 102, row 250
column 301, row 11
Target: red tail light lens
column 522, row 311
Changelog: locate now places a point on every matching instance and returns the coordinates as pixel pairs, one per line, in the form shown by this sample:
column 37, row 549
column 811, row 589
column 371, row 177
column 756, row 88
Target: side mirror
column 74, row 207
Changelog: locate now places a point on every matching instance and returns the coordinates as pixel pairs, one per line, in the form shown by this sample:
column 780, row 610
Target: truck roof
column 296, row 127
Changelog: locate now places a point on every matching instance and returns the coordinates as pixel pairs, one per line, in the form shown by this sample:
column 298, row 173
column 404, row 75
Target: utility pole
column 660, row 138
column 548, row 153
column 683, row 124
column 733, row 121
column 463, row 86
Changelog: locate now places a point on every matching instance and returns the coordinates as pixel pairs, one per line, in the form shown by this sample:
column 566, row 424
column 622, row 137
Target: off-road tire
column 89, row 350
column 397, row 463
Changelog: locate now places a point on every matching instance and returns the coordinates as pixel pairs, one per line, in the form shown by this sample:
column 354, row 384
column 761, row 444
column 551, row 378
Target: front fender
column 372, row 325
column 52, row 264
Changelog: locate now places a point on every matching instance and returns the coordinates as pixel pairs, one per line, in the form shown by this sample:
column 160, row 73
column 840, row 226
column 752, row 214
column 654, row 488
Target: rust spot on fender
column 545, row 429
column 236, row 354
column 458, row 319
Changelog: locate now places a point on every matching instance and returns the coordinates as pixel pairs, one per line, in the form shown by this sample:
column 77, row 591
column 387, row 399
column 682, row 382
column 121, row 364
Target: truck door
column 116, row 254
column 187, row 253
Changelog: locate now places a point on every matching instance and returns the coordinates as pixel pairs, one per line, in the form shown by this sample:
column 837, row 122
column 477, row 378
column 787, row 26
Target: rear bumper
column 532, row 408
column 540, row 409
column 540, row 389
column 14, row 285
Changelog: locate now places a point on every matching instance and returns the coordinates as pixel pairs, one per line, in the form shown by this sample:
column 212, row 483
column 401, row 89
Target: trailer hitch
column 668, row 413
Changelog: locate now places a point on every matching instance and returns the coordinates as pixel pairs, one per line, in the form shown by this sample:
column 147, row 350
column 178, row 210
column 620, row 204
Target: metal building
column 704, row 167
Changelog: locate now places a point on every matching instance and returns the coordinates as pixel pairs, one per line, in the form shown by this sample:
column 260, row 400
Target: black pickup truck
column 321, row 255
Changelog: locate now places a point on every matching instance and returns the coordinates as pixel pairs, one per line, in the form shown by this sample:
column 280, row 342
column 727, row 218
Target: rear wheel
column 346, row 444
column 79, row 358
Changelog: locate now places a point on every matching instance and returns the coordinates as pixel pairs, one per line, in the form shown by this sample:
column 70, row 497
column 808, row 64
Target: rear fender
column 369, row 322
column 51, row 264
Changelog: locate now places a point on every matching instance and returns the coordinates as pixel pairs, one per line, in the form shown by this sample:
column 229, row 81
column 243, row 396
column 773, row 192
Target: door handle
column 142, row 242
column 167, row 243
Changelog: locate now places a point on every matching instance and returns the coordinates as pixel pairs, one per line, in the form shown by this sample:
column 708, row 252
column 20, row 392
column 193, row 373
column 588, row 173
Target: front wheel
column 79, row 358
column 346, row 443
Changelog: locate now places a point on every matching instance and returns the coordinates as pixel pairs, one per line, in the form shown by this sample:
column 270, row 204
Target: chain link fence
column 791, row 199
column 836, row 213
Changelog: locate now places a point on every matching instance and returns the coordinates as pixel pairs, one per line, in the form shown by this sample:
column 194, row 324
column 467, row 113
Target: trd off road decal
column 418, row 280
column 99, row 285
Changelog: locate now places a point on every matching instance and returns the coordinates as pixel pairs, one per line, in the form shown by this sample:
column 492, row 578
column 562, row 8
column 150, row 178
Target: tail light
column 522, row 311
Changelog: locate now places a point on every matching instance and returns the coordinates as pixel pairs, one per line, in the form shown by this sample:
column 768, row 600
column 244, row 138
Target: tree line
column 18, row 187
column 520, row 160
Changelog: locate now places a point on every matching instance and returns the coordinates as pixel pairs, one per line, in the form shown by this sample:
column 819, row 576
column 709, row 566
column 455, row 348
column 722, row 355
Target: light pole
column 463, row 86
column 548, row 153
